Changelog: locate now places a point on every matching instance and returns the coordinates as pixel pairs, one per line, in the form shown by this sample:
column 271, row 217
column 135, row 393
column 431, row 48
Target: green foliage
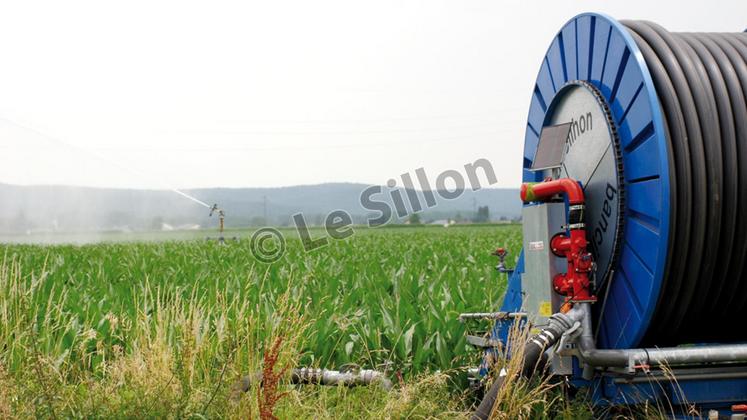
column 382, row 296
column 128, row 329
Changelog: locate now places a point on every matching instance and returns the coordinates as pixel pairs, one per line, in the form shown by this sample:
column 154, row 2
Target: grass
column 384, row 297
column 166, row 329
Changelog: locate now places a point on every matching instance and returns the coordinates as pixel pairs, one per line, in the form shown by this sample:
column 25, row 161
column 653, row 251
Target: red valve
column 500, row 252
column 574, row 284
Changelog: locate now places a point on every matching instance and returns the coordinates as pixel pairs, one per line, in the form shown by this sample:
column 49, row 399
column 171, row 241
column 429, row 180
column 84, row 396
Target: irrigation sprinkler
column 221, row 223
column 502, row 253
column 221, row 218
column 632, row 275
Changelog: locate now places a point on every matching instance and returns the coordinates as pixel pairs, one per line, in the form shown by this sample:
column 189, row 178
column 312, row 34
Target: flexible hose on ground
column 534, row 351
column 486, row 405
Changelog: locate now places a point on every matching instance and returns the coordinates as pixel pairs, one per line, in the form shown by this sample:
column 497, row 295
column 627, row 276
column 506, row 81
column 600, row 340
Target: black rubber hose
column 486, row 405
column 722, row 286
column 701, row 83
column 534, row 351
column 737, row 305
column 716, row 64
column 536, row 346
column 680, row 69
column 677, row 112
column 712, row 136
column 734, row 70
column 680, row 173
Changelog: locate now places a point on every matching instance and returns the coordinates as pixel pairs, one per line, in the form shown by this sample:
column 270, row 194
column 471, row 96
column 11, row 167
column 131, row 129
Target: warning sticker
column 536, row 245
column 545, row 308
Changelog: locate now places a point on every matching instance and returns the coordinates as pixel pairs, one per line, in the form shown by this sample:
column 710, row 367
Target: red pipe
column 540, row 191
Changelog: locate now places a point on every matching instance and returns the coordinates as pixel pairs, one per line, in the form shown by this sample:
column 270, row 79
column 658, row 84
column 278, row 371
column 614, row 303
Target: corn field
column 169, row 321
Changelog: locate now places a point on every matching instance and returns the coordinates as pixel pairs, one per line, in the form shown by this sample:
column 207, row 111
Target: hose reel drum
column 658, row 140
column 656, row 137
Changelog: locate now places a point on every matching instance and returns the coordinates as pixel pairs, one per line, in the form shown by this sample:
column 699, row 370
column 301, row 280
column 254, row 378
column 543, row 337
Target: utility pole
column 264, row 205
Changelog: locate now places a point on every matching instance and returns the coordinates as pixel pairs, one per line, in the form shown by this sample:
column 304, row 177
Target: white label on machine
column 536, row 245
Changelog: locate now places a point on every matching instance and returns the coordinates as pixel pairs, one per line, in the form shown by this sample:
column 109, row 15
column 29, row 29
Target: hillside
column 65, row 208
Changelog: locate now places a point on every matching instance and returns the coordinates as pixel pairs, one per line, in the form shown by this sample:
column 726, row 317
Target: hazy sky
column 272, row 93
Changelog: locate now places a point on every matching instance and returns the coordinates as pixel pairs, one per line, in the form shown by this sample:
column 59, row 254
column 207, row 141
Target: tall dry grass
column 519, row 397
column 177, row 358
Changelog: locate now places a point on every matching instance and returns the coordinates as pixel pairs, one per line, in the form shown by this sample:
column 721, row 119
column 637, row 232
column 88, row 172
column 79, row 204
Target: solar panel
column 549, row 152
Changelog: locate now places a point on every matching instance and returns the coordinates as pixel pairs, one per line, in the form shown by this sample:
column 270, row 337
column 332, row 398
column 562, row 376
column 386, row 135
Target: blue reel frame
column 596, row 48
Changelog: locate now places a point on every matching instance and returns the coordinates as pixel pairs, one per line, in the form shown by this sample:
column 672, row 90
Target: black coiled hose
column 701, row 82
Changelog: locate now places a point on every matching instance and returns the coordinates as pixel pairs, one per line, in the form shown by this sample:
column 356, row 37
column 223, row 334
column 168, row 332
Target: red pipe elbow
column 540, row 191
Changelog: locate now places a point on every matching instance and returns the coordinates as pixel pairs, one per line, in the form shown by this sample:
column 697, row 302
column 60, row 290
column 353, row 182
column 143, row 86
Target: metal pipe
column 309, row 376
column 670, row 356
column 335, row 377
column 491, row 315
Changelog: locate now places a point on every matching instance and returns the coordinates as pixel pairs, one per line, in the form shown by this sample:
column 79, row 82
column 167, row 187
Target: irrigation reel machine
column 635, row 235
